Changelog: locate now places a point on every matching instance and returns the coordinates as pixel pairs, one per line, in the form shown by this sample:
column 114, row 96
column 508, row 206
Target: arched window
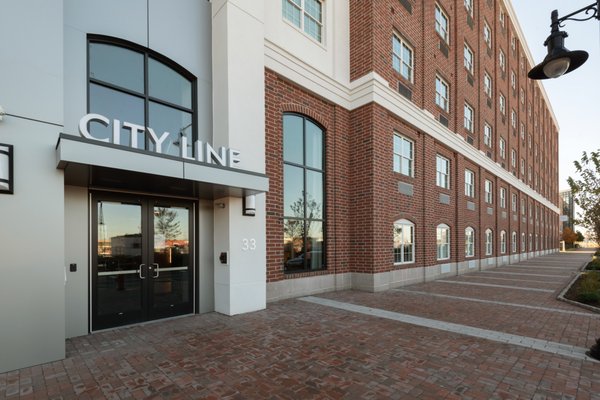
column 523, row 248
column 513, row 242
column 443, row 242
column 489, row 242
column 303, row 200
column 469, row 242
column 152, row 97
column 503, row 242
column 530, row 242
column 404, row 242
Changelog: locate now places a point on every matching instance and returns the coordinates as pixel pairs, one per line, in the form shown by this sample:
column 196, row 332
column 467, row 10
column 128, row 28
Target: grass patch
column 586, row 289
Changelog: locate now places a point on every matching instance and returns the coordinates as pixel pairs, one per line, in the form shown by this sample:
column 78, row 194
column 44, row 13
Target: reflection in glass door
column 143, row 261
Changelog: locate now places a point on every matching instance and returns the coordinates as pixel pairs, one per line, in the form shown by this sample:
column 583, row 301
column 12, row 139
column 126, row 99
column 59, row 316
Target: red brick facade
column 362, row 190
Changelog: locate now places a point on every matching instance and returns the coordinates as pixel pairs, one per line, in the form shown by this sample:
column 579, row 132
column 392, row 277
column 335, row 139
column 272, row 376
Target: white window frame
column 443, row 248
column 442, row 99
column 401, row 156
column 523, row 207
column 523, row 243
column 468, row 58
column 404, row 224
column 502, row 60
column 305, row 14
column 502, row 146
column 513, row 80
column 502, row 104
column 513, row 158
column 487, row 34
column 513, row 242
column 502, row 242
column 487, row 135
column 442, row 23
column 469, row 7
column 469, row 242
column 487, row 84
column 468, row 122
column 489, row 242
column 469, row 183
column 530, row 242
column 502, row 197
column 488, row 190
column 514, row 202
column 501, row 17
column 400, row 57
column 442, row 178
column 513, row 118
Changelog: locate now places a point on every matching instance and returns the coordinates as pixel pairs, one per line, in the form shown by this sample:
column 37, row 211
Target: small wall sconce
column 249, row 205
column 220, row 205
column 6, row 169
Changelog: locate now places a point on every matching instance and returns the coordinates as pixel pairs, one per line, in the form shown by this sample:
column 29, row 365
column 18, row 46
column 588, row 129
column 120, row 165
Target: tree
column 569, row 236
column 586, row 191
column 165, row 223
column 580, row 237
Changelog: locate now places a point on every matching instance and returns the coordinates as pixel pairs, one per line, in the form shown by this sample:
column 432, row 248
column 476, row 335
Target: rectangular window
column 502, row 60
column 522, row 166
column 306, row 15
column 489, row 242
column 513, row 80
column 487, row 34
column 469, row 242
column 468, row 120
column 404, row 242
column 403, row 155
column 513, row 158
column 514, row 202
column 501, row 18
column 502, row 242
column 469, row 7
column 487, row 84
column 468, row 58
column 502, row 145
column 523, row 211
column 469, row 183
column 443, row 242
column 402, row 58
column 488, row 192
column 441, row 23
column 502, row 198
column 502, row 104
column 513, row 118
column 442, row 172
column 487, row 135
column 442, row 93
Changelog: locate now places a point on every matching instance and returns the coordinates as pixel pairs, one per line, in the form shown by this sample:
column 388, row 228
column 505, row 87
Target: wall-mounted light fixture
column 560, row 60
column 2, row 113
column 249, row 205
column 6, row 169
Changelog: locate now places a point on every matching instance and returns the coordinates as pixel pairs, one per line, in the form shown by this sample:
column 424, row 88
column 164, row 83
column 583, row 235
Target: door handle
column 156, row 270
column 140, row 271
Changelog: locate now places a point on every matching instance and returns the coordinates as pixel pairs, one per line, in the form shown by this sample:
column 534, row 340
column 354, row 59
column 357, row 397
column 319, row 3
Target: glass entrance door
column 142, row 260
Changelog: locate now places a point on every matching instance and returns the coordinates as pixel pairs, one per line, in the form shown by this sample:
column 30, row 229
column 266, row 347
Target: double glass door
column 143, row 260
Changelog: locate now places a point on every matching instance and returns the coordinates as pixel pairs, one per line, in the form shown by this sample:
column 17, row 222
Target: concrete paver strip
column 526, row 274
column 496, row 278
column 497, row 286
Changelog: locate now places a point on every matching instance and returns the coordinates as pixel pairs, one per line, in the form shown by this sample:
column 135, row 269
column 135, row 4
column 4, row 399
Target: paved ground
column 498, row 334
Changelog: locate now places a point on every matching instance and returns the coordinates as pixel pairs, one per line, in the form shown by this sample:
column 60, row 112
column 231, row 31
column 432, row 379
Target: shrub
column 595, row 350
column 594, row 265
column 589, row 297
column 590, row 282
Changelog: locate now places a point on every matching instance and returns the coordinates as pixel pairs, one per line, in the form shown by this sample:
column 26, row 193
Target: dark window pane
column 314, row 195
column 293, row 188
column 292, row 139
column 116, row 105
column 117, row 65
column 166, row 84
column 178, row 123
column 293, row 244
column 314, row 146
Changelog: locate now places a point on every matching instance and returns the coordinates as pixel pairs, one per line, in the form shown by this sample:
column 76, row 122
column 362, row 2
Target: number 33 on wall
column 248, row 244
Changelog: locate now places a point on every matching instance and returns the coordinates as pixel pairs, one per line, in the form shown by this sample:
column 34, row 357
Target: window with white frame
column 487, row 34
column 487, row 135
column 489, row 242
column 523, row 210
column 522, row 166
column 513, row 42
column 487, row 84
column 469, row 242
column 501, row 18
column 514, row 202
column 442, row 172
column 488, row 196
column 513, row 242
column 502, row 197
column 442, row 93
column 522, row 130
column 502, row 104
column 523, row 249
column 468, row 119
column 513, row 80
column 502, row 60
column 529, row 141
column 443, row 242
column 502, row 242
column 513, row 118
column 513, row 158
column 468, row 58
column 537, row 242
column 404, row 242
column 502, row 145
column 530, row 242
column 402, row 58
column 469, row 183
column 529, row 173
column 403, row 155
column 522, row 96
column 441, row 23
column 306, row 15
column 469, row 7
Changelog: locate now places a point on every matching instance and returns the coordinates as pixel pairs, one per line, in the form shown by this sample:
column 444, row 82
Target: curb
column 561, row 295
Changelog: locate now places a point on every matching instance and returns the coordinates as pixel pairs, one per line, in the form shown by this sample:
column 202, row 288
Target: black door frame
column 147, row 202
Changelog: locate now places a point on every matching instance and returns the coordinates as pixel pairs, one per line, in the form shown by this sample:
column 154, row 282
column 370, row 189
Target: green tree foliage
column 586, row 191
column 166, row 223
column 580, row 237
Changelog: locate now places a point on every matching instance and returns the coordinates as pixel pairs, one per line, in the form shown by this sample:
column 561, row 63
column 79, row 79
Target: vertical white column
column 239, row 123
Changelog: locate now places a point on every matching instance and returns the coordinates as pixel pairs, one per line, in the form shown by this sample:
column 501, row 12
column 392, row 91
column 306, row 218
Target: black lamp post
column 560, row 60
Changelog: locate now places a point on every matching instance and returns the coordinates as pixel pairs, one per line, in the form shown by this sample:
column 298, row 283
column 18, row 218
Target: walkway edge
column 561, row 295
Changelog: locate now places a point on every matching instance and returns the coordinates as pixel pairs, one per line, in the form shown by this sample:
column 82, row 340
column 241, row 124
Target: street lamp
column 560, row 60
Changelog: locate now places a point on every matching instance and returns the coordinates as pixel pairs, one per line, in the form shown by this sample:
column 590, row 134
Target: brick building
column 437, row 155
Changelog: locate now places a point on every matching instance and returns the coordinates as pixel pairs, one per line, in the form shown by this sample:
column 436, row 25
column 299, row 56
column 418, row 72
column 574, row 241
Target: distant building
column 567, row 209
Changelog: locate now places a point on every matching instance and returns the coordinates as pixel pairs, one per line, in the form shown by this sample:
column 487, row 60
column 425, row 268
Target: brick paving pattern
column 301, row 350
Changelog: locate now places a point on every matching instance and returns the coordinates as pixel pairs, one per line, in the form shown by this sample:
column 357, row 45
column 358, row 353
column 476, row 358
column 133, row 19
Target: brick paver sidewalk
column 485, row 335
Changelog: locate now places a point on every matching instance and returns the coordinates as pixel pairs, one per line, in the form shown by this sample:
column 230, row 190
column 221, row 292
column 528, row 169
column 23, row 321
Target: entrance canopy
column 104, row 165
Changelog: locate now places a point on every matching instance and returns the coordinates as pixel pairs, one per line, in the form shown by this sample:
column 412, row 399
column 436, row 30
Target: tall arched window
column 469, row 242
column 489, row 242
column 523, row 248
column 303, row 194
column 513, row 242
column 404, row 242
column 443, row 242
column 503, row 242
column 153, row 98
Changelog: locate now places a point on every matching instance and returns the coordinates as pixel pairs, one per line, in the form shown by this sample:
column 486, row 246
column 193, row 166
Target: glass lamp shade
column 557, row 67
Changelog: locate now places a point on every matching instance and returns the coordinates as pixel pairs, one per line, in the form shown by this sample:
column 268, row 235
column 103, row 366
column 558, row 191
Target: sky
column 575, row 97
